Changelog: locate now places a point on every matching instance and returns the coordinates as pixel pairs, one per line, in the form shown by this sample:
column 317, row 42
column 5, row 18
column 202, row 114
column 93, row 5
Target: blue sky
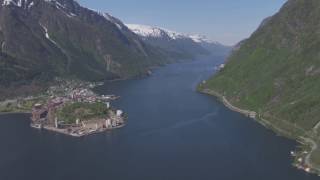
column 226, row 21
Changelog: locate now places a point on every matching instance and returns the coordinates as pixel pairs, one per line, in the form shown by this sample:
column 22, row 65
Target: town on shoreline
column 70, row 108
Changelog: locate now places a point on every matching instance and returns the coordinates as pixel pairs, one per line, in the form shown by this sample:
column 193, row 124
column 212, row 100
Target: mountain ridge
column 179, row 42
column 275, row 72
column 44, row 39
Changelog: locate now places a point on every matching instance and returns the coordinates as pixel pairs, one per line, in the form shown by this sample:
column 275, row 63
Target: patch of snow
column 30, row 5
column 108, row 17
column 174, row 35
column 112, row 20
column 47, row 35
column 118, row 26
column 62, row 7
column 144, row 30
column 58, row 5
column 149, row 31
column 202, row 39
column 3, row 45
column 18, row 3
column 7, row 2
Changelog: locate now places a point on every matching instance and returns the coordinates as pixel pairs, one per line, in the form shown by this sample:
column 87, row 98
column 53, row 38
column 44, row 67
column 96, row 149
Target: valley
column 43, row 40
column 172, row 133
column 97, row 96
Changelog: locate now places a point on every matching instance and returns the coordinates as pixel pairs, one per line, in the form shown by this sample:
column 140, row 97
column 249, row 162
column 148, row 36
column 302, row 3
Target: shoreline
column 8, row 113
column 301, row 140
column 57, row 97
column 64, row 131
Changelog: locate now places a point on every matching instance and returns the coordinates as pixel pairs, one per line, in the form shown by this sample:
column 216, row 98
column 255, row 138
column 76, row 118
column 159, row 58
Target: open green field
column 20, row 105
column 82, row 111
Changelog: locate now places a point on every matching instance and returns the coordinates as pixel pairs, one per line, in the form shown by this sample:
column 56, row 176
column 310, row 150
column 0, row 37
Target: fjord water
column 173, row 133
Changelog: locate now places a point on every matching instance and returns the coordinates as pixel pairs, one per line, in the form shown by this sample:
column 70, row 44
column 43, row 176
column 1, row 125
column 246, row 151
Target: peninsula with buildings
column 70, row 108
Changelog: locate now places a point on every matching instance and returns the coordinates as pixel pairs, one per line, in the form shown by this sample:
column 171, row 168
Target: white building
column 56, row 124
column 119, row 113
column 108, row 105
column 108, row 123
column 114, row 124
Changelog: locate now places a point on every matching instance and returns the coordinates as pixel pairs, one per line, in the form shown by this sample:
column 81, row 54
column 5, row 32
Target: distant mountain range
column 183, row 45
column 44, row 39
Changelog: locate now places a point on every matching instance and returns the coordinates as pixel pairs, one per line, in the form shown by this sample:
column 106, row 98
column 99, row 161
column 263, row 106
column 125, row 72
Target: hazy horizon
column 226, row 21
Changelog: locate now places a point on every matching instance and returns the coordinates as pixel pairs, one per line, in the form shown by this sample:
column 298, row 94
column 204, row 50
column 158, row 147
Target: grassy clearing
column 82, row 111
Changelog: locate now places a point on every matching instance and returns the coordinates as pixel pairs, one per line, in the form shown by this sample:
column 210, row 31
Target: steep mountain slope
column 276, row 72
column 178, row 44
column 42, row 39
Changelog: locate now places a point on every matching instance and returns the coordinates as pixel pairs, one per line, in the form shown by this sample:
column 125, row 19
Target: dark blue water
column 174, row 133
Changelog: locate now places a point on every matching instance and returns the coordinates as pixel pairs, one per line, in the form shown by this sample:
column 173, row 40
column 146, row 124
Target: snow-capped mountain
column 176, row 45
column 178, row 42
column 44, row 39
column 154, row 32
column 201, row 39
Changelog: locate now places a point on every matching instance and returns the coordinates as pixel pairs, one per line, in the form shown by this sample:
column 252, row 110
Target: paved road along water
column 173, row 133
